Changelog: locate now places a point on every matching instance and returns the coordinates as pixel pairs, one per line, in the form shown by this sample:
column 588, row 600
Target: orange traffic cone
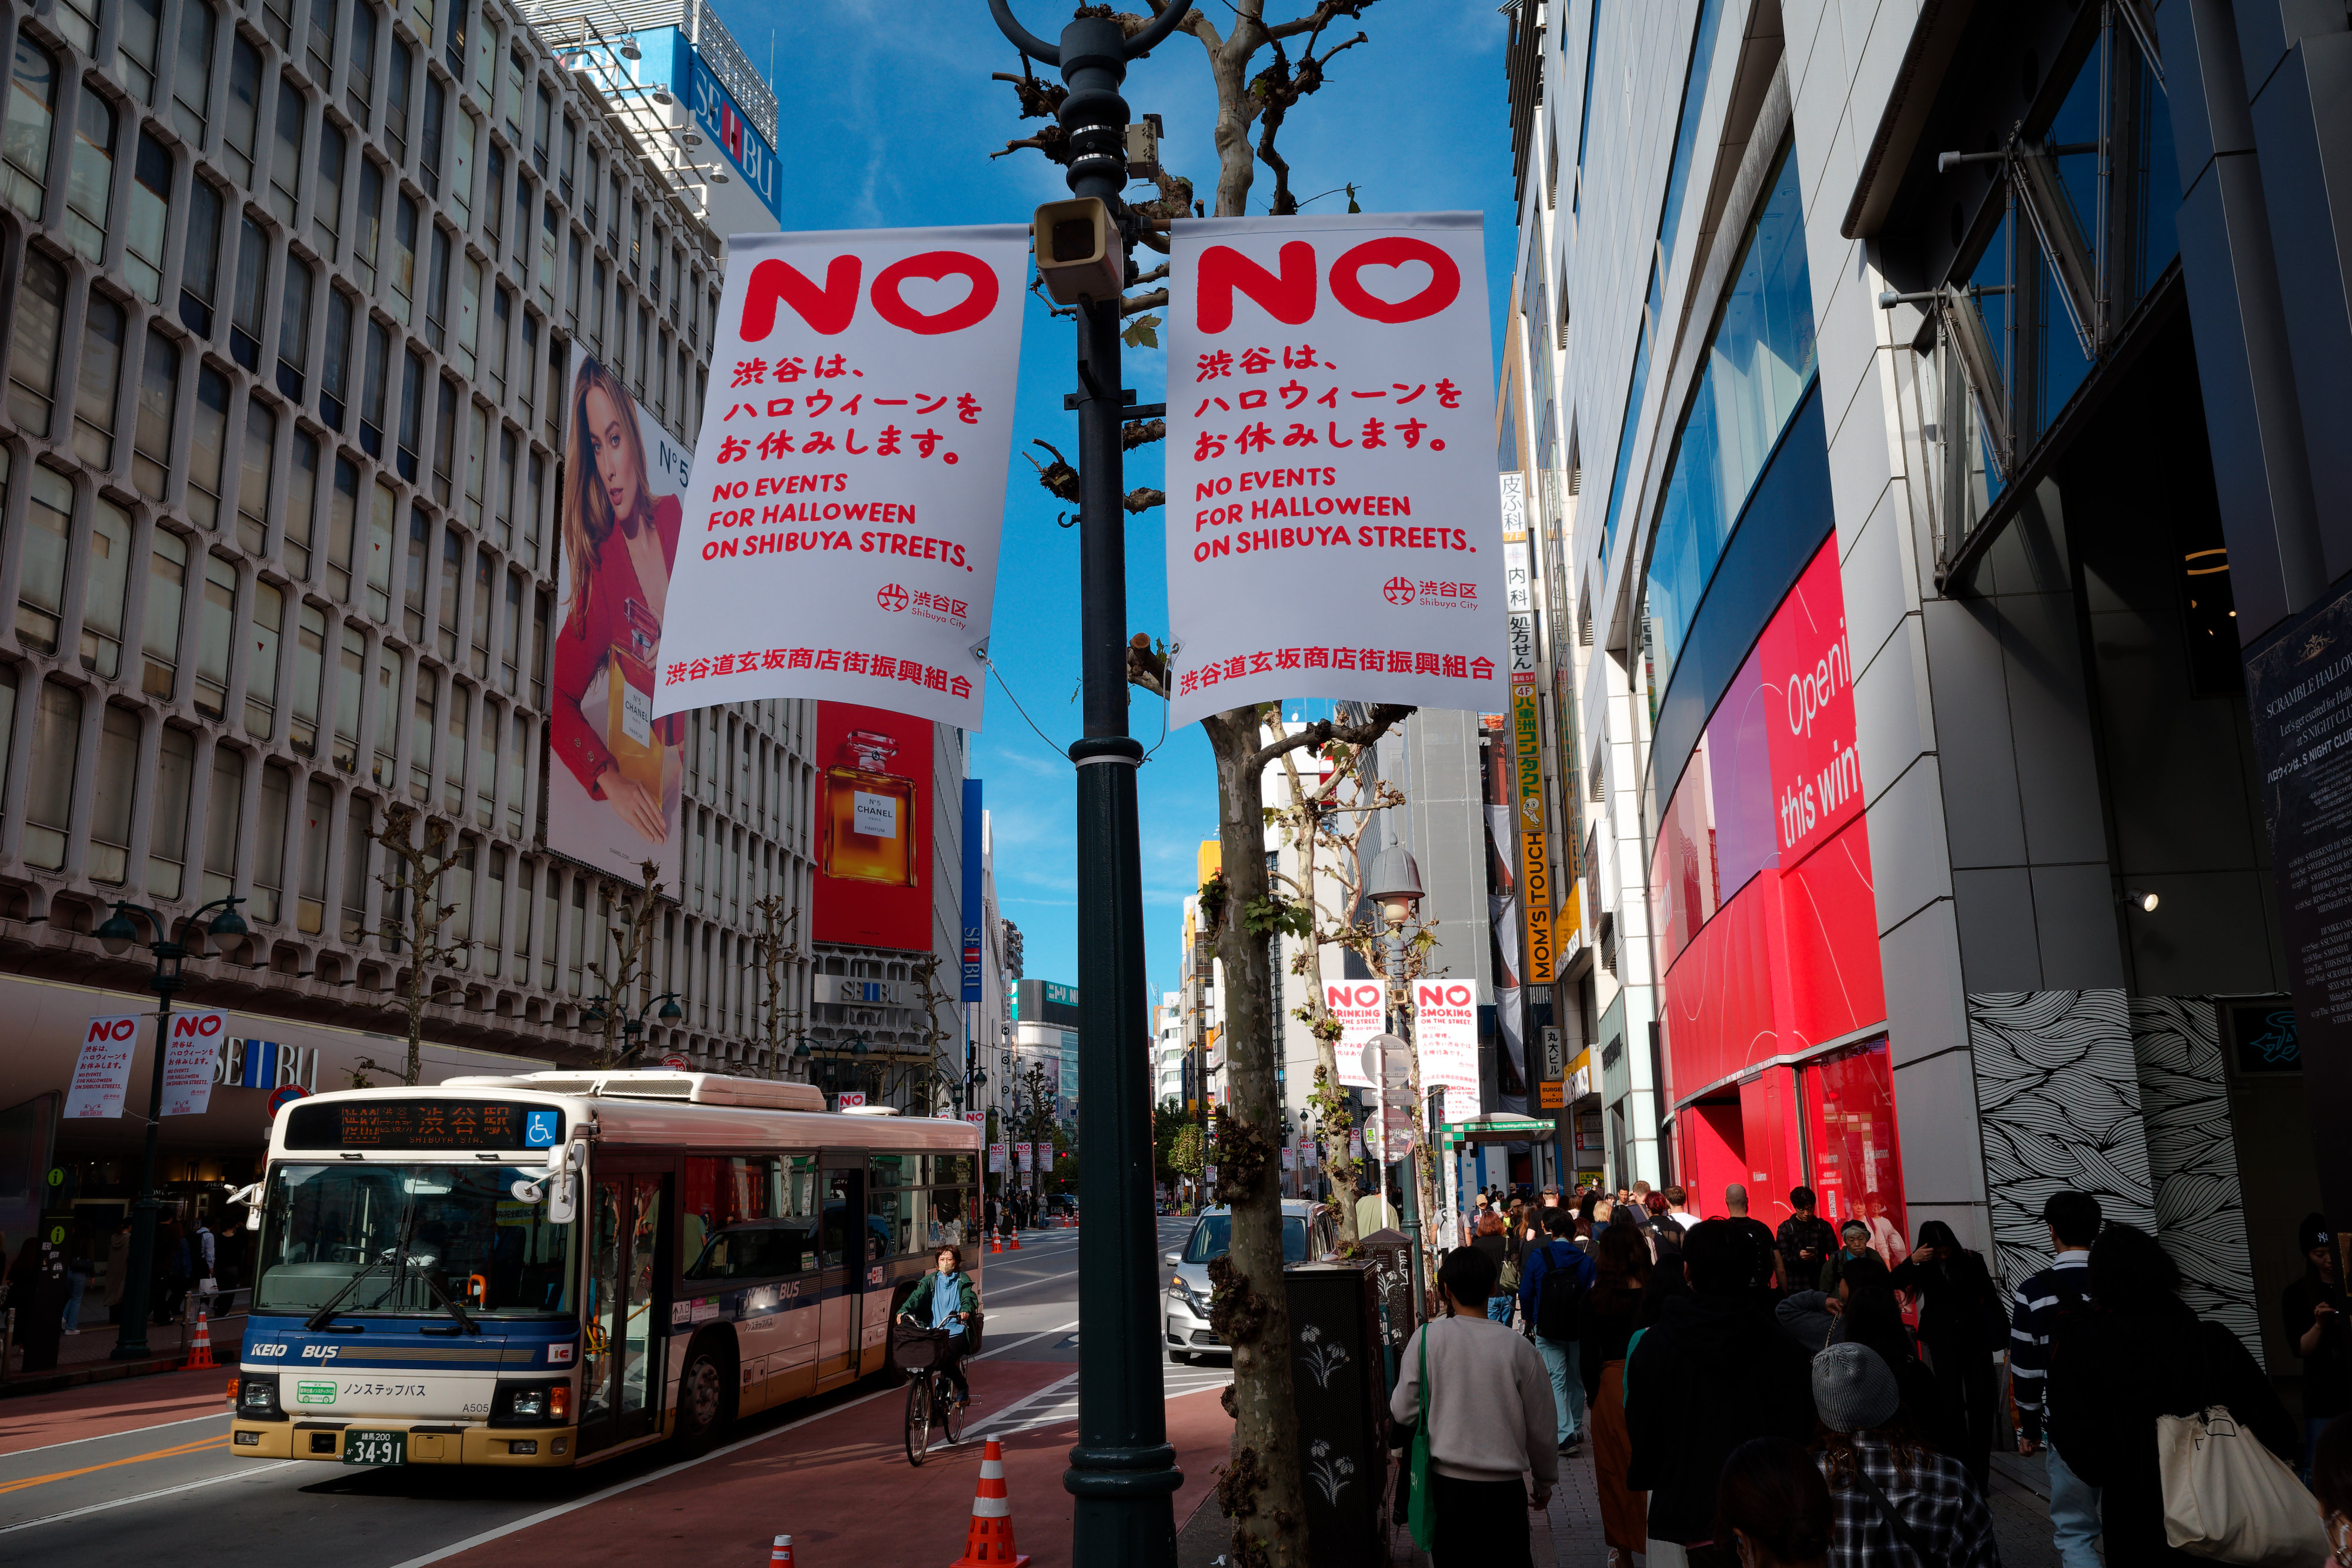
column 200, row 1349
column 993, row 1244
column 1015, row 1234
column 780, row 1554
column 989, row 1543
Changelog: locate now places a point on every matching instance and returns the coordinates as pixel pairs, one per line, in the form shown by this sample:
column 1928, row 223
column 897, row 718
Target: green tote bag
column 1421, row 1513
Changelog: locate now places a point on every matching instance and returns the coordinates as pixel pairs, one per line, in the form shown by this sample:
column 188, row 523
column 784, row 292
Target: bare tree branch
column 1058, row 475
column 1141, row 433
column 1143, row 499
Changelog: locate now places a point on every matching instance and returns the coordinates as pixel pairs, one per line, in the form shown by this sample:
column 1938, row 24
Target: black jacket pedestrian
column 1962, row 1324
column 2113, row 1373
column 1712, row 1372
column 2327, row 1371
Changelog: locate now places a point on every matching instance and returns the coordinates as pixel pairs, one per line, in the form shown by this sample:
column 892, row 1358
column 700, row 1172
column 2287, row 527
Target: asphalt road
column 169, row 1491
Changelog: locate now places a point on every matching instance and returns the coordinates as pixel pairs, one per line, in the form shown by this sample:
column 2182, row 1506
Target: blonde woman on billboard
column 619, row 542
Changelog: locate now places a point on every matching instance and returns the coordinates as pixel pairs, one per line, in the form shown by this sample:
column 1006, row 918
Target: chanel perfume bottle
column 870, row 814
column 629, row 689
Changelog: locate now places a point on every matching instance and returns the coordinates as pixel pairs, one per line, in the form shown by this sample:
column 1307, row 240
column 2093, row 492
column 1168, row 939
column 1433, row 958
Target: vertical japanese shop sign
column 1357, row 1004
column 1446, row 1038
column 190, row 1054
column 841, row 535
column 1526, row 736
column 102, row 1071
column 1331, row 436
column 974, row 873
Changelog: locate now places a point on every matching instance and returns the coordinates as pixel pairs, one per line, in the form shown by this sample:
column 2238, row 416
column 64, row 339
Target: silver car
column 1184, row 1305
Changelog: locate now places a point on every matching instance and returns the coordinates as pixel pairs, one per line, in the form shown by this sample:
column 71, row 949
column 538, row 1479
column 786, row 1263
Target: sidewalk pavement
column 88, row 1357
column 841, row 1486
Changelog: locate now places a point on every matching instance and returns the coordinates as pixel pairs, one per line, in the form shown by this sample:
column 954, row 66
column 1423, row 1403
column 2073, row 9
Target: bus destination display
column 423, row 1124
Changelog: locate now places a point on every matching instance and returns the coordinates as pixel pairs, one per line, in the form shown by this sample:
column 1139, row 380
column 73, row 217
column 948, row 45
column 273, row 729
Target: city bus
column 557, row 1267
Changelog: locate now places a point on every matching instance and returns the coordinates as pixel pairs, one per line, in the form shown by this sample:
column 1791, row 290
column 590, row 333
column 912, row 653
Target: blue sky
column 886, row 119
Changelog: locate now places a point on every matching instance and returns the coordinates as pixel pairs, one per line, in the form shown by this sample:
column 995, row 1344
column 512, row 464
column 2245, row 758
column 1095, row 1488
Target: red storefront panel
column 1857, row 1165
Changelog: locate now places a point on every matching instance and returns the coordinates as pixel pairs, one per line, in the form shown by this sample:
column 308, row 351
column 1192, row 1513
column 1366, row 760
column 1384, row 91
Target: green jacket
column 918, row 1304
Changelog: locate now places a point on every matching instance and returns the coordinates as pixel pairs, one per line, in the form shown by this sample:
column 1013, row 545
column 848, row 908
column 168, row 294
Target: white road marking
column 1017, row 1343
column 237, row 1474
column 122, row 1432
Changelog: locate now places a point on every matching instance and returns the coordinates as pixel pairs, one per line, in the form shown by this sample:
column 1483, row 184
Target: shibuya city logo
column 892, row 597
column 1397, row 590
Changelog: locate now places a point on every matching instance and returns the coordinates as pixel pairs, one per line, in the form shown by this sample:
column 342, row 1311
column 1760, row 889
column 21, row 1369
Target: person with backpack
column 2045, row 1298
column 1555, row 1282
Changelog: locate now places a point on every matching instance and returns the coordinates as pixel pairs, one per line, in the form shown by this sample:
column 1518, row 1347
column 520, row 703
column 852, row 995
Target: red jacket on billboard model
column 614, row 612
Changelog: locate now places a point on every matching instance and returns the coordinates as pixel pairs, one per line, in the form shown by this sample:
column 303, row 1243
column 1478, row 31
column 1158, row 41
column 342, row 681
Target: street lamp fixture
column 117, row 933
column 601, row 1009
column 1394, row 886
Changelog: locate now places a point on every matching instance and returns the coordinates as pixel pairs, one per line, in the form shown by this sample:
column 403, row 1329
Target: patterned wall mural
column 2115, row 1096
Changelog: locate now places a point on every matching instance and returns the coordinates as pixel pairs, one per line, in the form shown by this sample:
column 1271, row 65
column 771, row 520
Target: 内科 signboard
column 1330, row 453
column 841, row 534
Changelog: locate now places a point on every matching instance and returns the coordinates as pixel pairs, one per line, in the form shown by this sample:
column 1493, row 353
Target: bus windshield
column 409, row 1229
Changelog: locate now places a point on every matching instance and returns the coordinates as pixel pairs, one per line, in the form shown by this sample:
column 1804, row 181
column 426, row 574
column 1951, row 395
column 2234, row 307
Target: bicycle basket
column 918, row 1350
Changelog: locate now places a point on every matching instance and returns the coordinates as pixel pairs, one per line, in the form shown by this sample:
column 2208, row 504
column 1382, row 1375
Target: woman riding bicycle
column 943, row 1301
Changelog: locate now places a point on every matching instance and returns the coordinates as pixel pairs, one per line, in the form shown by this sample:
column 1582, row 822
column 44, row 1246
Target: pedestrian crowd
column 1824, row 1393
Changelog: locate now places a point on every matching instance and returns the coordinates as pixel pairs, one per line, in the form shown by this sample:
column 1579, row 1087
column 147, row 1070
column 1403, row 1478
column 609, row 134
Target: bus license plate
column 375, row 1447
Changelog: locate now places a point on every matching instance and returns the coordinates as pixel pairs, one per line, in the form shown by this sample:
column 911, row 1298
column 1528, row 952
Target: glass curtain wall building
column 1903, row 737
column 296, row 283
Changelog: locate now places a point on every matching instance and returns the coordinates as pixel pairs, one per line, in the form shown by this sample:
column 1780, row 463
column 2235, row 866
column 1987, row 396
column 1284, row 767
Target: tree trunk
column 1262, row 1488
column 1308, row 833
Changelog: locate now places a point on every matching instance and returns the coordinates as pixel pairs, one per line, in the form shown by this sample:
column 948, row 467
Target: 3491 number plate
column 375, row 1447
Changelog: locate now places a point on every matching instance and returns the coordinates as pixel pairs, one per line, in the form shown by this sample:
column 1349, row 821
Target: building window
column 294, row 328
column 262, row 664
column 200, row 257
column 445, row 608
column 436, row 288
column 327, row 199
column 33, row 360
column 25, row 140
column 342, row 525
column 395, row 110
column 335, row 364
column 445, row 438
column 428, row 163
column 387, row 714
column 371, row 388
column 135, row 46
column 107, row 578
column 216, row 625
column 269, row 851
column 167, row 586
column 359, row 72
column 310, row 677
column 319, row 43
column 485, row 598
column 412, row 587
column 351, row 688
column 453, row 752
column 503, row 501
column 100, row 382
column 167, row 839
column 412, row 413
column 461, row 170
column 469, row 315
column 301, row 521
column 318, row 812
column 244, row 108
column 41, row 586
column 253, row 476
column 150, row 203
column 49, row 802
column 403, row 258
column 358, row 846
column 207, row 447
column 379, row 560
column 478, row 445
column 192, row 78
column 485, row 782
column 370, row 223
column 224, row 823
column 252, row 279
column 518, row 739
column 110, row 795
column 285, row 162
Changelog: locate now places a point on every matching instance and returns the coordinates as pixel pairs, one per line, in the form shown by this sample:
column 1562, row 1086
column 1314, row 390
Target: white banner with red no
column 1331, row 507
column 841, row 528
column 102, row 1071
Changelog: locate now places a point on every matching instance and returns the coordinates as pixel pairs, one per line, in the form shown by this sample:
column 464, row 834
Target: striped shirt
column 2035, row 1314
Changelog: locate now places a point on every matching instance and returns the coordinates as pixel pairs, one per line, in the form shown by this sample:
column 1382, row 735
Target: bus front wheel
column 703, row 1390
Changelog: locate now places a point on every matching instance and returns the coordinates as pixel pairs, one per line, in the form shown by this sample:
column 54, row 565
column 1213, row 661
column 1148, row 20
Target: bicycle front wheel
column 952, row 1415
column 919, row 1419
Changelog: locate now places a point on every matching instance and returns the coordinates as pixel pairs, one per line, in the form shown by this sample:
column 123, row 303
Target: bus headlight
column 532, row 1404
column 257, row 1397
column 529, row 1405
